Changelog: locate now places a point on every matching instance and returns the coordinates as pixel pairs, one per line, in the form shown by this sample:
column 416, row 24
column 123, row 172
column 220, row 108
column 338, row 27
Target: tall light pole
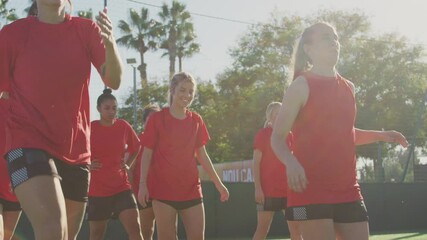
column 132, row 62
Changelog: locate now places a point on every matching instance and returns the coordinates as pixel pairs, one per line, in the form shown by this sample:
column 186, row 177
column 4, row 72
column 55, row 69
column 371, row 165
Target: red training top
column 173, row 166
column 47, row 68
column 6, row 192
column 324, row 143
column 273, row 178
column 108, row 146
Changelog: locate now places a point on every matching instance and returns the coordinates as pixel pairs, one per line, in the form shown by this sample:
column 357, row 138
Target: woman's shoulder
column 300, row 82
column 299, row 88
column 85, row 25
column 158, row 115
column 194, row 115
column 82, row 21
column 123, row 122
column 18, row 26
column 265, row 131
column 94, row 124
column 348, row 82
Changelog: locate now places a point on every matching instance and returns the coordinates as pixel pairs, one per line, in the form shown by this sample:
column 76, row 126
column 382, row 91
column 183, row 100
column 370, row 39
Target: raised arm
column 111, row 70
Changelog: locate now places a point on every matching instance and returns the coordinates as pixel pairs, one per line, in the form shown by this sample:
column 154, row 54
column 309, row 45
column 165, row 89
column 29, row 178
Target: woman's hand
column 95, row 164
column 297, row 179
column 259, row 196
column 106, row 26
column 124, row 166
column 394, row 137
column 143, row 196
column 4, row 95
column 223, row 191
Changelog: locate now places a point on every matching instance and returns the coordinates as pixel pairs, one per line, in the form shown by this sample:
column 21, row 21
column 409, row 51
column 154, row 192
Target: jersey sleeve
column 132, row 139
column 259, row 141
column 202, row 133
column 96, row 47
column 5, row 61
column 151, row 131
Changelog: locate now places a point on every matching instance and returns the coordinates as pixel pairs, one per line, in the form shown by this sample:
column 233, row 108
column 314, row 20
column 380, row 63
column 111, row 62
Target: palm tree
column 178, row 33
column 140, row 35
column 186, row 47
column 86, row 14
column 8, row 15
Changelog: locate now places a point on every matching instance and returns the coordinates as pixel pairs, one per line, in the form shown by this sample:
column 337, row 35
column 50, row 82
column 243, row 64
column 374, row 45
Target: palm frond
column 124, row 27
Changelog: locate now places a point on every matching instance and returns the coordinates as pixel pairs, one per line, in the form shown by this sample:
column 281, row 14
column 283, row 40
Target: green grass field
column 415, row 235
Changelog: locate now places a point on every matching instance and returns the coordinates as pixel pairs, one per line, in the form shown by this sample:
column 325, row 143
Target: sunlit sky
column 406, row 17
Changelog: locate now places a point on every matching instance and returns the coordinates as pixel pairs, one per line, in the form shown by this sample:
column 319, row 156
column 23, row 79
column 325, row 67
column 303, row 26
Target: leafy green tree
column 366, row 171
column 207, row 103
column 389, row 74
column 6, row 15
column 154, row 93
column 85, row 14
column 139, row 34
column 186, row 47
column 257, row 77
column 178, row 38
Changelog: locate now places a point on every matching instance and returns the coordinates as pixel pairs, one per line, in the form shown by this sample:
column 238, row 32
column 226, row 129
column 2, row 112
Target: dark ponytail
column 32, row 11
column 106, row 95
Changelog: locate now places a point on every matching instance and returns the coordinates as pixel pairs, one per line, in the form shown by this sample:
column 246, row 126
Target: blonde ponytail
column 268, row 112
column 300, row 59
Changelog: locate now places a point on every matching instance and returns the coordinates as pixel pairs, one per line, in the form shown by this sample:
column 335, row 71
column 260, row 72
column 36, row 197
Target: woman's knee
column 51, row 230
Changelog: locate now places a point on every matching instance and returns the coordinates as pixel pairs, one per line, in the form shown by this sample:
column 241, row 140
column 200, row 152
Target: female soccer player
column 45, row 64
column 319, row 106
column 173, row 137
column 110, row 192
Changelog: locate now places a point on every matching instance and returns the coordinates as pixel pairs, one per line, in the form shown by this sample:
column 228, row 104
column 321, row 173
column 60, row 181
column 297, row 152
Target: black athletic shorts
column 340, row 213
column 103, row 208
column 25, row 163
column 9, row 206
column 182, row 205
column 272, row 204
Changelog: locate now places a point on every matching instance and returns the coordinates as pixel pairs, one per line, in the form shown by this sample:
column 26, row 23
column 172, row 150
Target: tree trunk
column 180, row 63
column 379, row 172
column 171, row 66
column 172, row 51
column 143, row 67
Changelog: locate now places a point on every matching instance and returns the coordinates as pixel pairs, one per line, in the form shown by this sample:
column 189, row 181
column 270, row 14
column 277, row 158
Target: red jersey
column 274, row 182
column 108, row 146
column 5, row 186
column 174, row 142
column 47, row 69
column 324, row 143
